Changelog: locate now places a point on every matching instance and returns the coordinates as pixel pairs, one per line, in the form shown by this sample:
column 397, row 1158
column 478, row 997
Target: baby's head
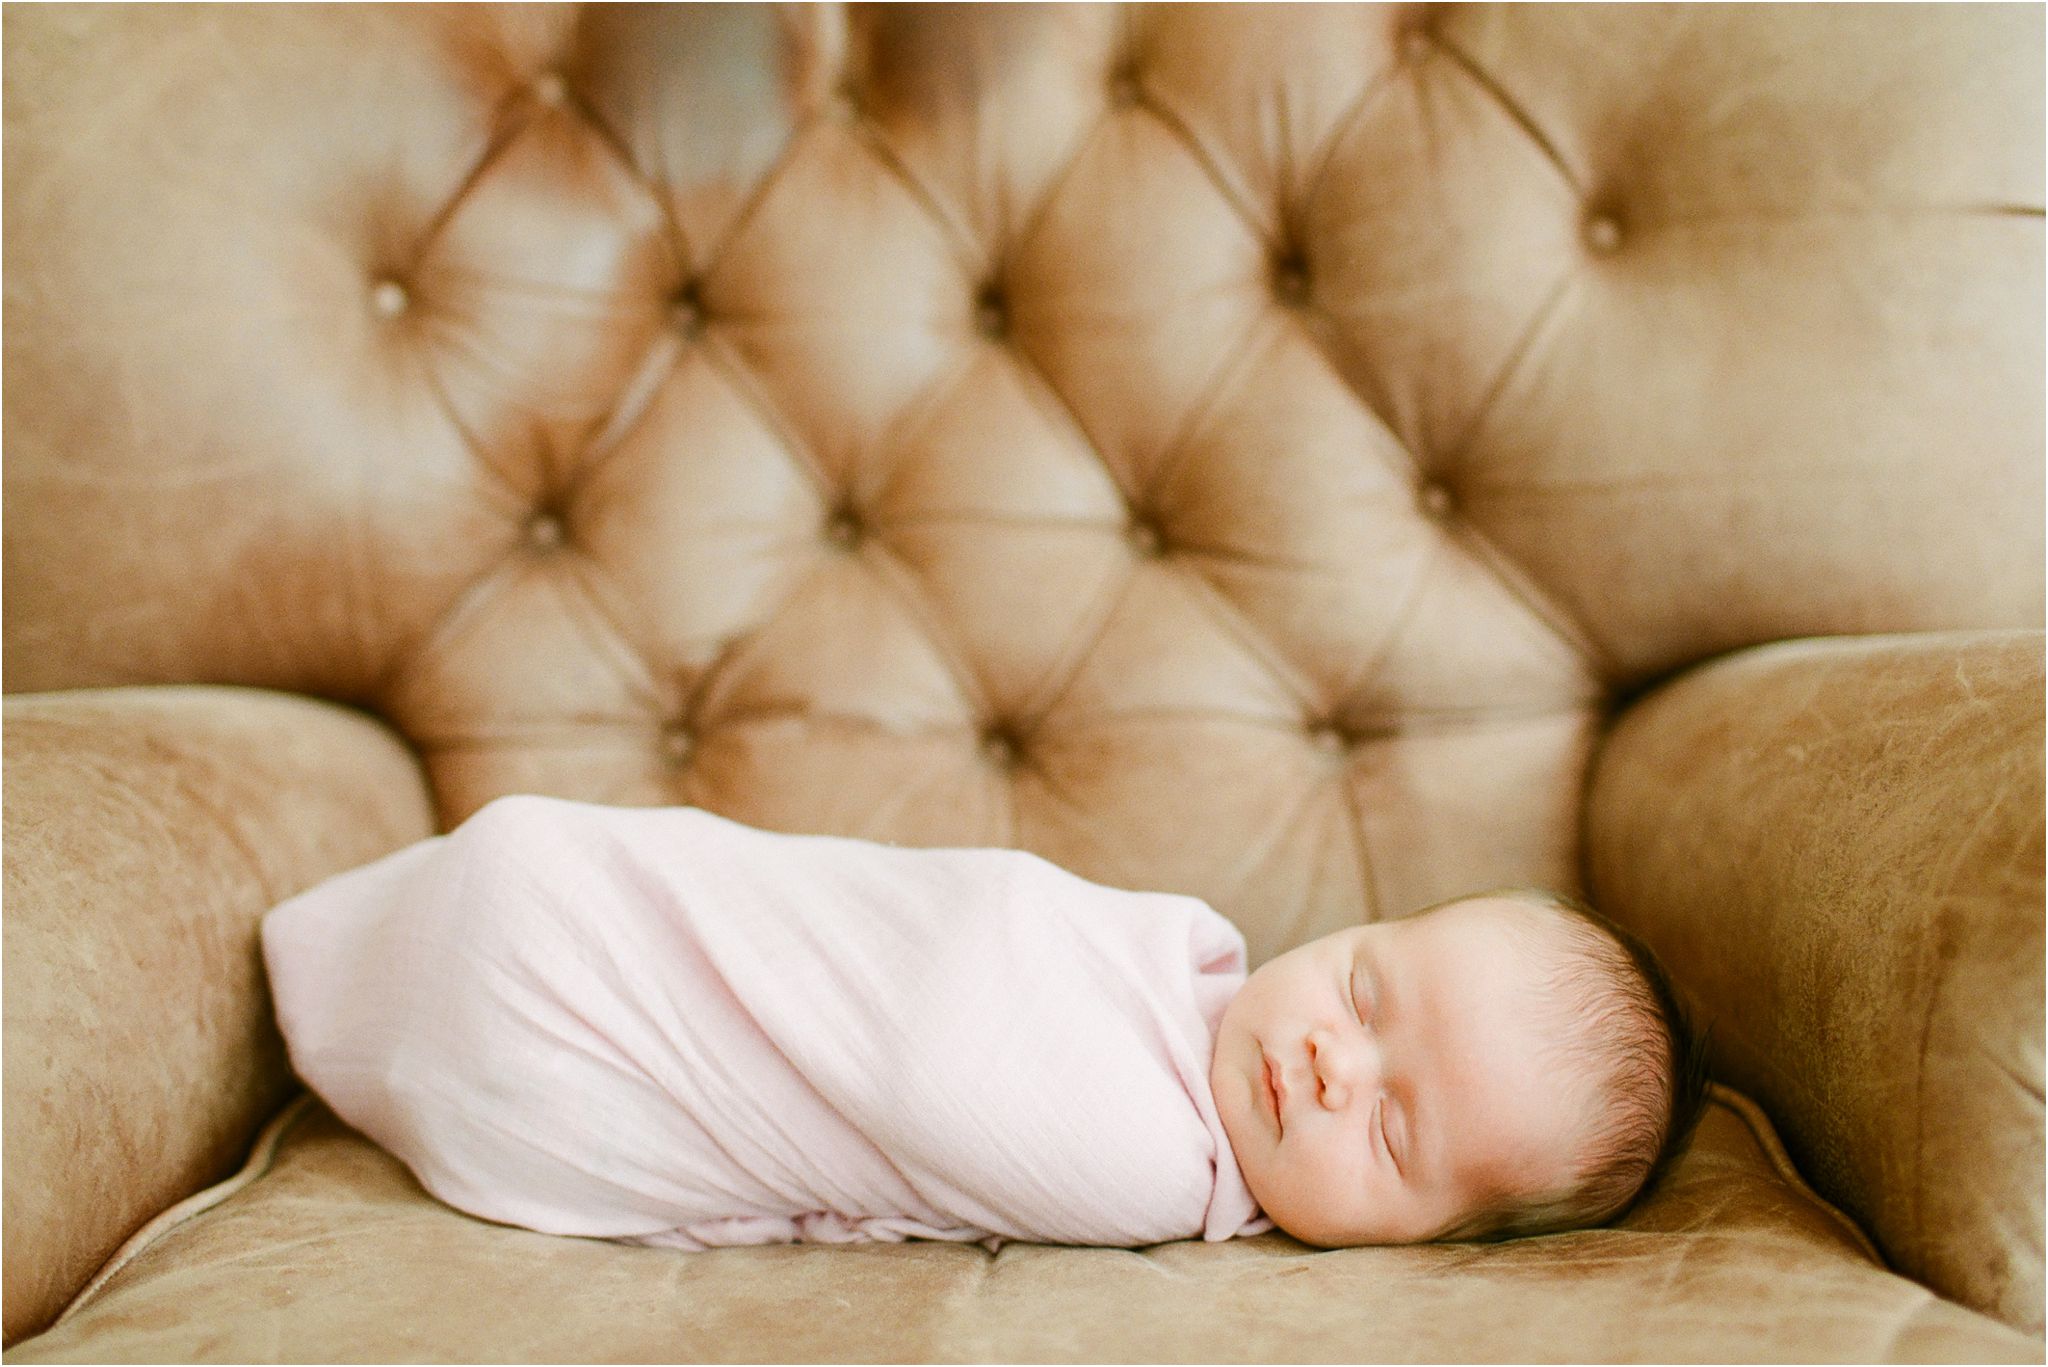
column 1498, row 1065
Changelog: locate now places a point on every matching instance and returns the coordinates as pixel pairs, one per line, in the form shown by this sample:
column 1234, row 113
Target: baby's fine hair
column 1627, row 1035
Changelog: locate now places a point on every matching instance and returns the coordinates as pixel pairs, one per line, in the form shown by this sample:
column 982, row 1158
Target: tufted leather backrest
column 1244, row 451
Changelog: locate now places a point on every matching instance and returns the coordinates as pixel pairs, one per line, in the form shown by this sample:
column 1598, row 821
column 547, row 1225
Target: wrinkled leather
column 146, row 830
column 1238, row 451
column 1728, row 1263
column 1837, row 847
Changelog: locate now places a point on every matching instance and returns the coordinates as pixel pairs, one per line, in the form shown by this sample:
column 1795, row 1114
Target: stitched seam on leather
column 1368, row 879
column 516, row 504
column 1227, row 616
column 1309, row 798
column 1224, row 611
column 900, row 435
column 1376, row 659
column 261, row 1155
column 1075, row 653
column 1514, row 111
column 1511, row 365
column 894, row 577
column 740, row 379
column 629, row 408
column 502, row 137
column 1037, row 381
column 980, row 696
column 413, row 656
column 1188, row 144
column 1502, row 567
column 1766, row 1136
column 958, row 235
column 1226, row 377
column 678, row 240
column 1523, row 588
column 1086, row 824
column 559, row 470
column 1225, row 187
column 604, row 633
column 611, row 429
column 1029, row 228
column 743, row 217
column 1341, row 129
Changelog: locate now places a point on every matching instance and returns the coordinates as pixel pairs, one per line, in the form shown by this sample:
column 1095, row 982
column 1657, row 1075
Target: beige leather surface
column 1729, row 1263
column 1230, row 450
column 146, row 831
column 1837, row 846
column 1240, row 451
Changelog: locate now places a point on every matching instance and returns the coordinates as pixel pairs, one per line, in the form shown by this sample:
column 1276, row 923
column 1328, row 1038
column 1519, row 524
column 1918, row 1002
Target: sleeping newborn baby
column 660, row 1026
column 1490, row 1067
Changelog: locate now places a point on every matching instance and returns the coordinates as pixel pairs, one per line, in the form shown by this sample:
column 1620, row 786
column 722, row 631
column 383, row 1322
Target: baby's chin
column 1318, row 1236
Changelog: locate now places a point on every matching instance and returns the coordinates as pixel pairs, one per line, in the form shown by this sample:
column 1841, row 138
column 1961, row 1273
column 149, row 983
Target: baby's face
column 1412, row 1089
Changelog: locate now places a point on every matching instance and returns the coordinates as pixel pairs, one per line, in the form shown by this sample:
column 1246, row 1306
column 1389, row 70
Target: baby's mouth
column 1272, row 1089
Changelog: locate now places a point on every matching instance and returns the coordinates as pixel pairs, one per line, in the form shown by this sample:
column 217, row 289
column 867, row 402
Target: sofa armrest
column 1836, row 846
column 147, row 830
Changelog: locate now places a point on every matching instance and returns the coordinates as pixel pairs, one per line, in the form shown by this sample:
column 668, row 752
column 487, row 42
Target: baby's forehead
column 1508, row 926
column 1476, row 947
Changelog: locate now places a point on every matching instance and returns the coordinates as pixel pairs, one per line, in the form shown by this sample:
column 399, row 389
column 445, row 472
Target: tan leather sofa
column 1319, row 459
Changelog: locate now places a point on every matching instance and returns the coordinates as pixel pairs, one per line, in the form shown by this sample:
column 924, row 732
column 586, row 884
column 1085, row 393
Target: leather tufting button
column 686, row 310
column 844, row 107
column 1124, row 90
column 1290, row 280
column 991, row 314
column 1328, row 738
column 1603, row 233
column 388, row 299
column 550, row 89
column 677, row 743
column 999, row 747
column 1416, row 45
column 1144, row 538
column 1436, row 501
column 843, row 529
column 545, row 532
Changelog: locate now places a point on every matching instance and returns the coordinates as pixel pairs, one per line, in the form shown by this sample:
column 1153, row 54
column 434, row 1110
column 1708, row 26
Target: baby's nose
column 1342, row 1068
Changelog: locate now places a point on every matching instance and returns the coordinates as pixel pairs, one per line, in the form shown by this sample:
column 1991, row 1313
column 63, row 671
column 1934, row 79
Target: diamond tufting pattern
column 1241, row 452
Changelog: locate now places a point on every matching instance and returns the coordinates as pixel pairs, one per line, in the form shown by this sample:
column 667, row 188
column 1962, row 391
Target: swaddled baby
column 664, row 1027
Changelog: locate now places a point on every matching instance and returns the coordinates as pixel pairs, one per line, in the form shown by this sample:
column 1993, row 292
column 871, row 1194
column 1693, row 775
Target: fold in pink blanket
column 661, row 1026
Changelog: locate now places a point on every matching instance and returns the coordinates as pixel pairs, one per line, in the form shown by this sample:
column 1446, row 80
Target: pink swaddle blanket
column 661, row 1026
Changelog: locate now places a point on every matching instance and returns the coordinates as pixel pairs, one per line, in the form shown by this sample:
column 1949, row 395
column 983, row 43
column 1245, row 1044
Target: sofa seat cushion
column 334, row 1253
